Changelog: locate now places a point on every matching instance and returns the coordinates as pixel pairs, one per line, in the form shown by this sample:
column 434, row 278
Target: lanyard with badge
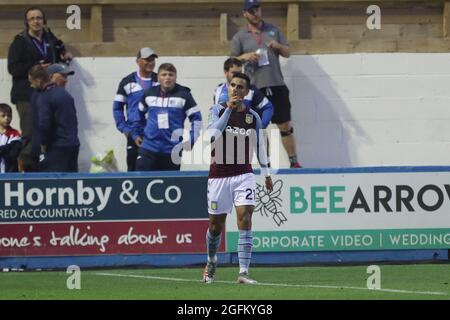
column 163, row 114
column 262, row 51
column 41, row 46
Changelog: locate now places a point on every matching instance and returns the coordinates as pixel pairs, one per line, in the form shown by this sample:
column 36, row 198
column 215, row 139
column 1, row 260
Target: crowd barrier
column 319, row 216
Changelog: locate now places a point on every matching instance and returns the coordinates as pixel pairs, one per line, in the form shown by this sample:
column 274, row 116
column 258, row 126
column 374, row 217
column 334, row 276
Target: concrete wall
column 349, row 110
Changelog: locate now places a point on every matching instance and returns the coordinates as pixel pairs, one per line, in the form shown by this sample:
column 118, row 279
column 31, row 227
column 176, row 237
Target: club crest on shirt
column 214, row 205
column 248, row 118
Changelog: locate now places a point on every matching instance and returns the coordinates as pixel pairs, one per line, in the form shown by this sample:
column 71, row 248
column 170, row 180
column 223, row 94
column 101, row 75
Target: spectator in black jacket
column 55, row 124
column 35, row 45
column 10, row 142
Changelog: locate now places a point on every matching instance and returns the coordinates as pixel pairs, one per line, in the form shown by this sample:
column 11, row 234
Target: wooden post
column 293, row 19
column 446, row 22
column 223, row 27
column 96, row 27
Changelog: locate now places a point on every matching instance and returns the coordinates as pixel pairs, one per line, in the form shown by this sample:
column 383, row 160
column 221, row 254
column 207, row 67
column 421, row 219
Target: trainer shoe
column 295, row 165
column 245, row 279
column 210, row 270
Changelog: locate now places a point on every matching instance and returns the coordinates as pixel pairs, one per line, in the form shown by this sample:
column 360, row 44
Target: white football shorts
column 224, row 192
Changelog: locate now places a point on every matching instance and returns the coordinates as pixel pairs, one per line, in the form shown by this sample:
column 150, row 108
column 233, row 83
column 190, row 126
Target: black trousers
column 27, row 161
column 59, row 159
column 155, row 161
column 132, row 154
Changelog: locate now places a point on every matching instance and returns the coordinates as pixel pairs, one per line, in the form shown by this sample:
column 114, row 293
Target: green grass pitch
column 420, row 281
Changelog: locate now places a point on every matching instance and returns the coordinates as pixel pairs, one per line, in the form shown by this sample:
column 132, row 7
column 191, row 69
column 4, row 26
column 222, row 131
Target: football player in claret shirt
column 236, row 132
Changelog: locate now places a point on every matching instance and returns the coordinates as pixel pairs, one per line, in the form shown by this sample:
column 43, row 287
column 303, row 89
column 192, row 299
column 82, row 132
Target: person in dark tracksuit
column 55, row 124
column 35, row 45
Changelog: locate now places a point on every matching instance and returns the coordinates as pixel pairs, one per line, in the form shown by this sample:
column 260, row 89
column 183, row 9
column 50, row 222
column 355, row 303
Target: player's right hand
column 234, row 102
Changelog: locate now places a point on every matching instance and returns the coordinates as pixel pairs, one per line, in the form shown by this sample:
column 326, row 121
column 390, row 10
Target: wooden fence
column 204, row 27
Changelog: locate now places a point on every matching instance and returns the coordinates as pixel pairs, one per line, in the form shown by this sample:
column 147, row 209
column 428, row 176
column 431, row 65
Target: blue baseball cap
column 59, row 68
column 248, row 4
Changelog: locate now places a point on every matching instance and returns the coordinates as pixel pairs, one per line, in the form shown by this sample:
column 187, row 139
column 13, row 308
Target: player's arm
column 195, row 117
column 263, row 105
column 216, row 123
column 13, row 150
column 283, row 50
column 45, row 122
column 119, row 108
column 142, row 109
column 280, row 45
column 216, row 95
column 18, row 66
column 262, row 154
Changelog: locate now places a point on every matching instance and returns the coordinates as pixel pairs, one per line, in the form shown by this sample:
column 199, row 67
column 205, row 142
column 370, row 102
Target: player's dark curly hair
column 242, row 76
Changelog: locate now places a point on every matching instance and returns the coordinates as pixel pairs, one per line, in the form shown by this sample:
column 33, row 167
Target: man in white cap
column 129, row 94
column 58, row 73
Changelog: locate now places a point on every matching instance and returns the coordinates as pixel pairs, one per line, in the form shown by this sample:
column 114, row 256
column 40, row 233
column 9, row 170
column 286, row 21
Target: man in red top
column 10, row 141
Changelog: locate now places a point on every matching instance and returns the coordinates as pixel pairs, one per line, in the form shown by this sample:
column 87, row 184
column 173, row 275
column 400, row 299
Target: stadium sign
column 351, row 211
column 105, row 198
column 68, row 215
column 99, row 238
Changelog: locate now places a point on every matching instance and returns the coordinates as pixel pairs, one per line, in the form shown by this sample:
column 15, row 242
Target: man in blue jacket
column 55, row 124
column 129, row 94
column 167, row 106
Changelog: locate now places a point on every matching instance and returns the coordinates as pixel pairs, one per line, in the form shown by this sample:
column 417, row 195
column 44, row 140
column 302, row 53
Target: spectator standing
column 166, row 106
column 35, row 45
column 259, row 46
column 55, row 122
column 126, row 102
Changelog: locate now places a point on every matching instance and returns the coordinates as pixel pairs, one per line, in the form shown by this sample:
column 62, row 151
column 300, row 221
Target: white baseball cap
column 146, row 52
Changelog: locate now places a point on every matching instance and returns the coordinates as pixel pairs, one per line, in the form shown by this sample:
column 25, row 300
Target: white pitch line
column 276, row 284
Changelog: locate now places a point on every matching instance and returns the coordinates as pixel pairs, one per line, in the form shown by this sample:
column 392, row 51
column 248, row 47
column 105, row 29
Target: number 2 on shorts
column 250, row 192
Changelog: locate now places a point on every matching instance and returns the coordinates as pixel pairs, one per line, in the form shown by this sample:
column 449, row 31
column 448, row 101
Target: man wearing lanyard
column 259, row 46
column 35, row 45
column 165, row 108
column 130, row 92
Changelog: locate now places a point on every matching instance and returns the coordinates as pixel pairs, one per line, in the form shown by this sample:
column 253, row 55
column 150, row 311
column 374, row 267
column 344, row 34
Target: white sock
column 245, row 245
